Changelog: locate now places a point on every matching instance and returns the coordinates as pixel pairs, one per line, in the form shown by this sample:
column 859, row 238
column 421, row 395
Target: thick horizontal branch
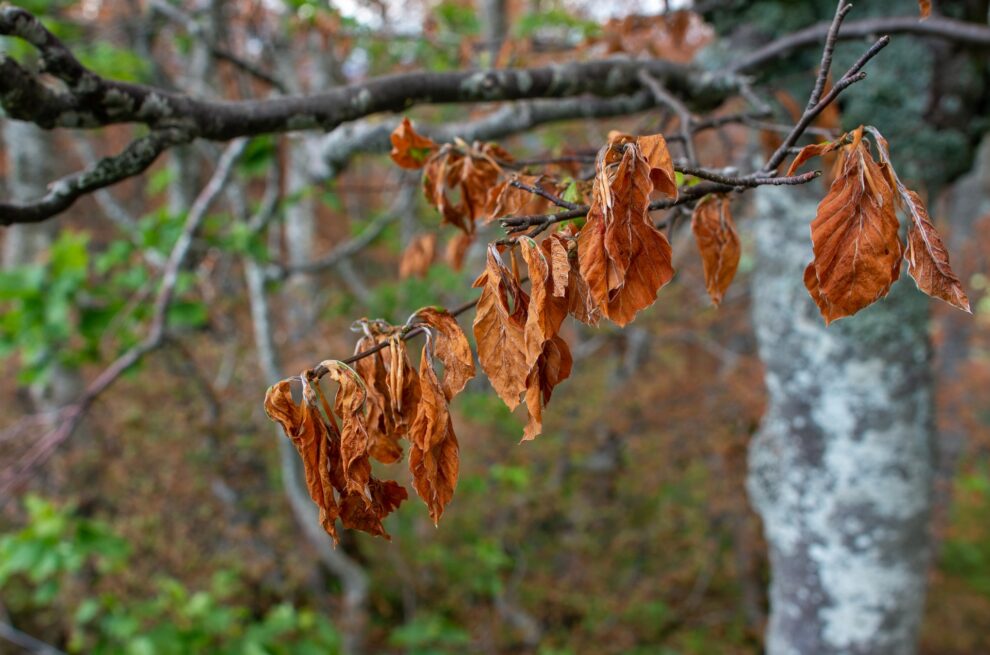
column 91, row 100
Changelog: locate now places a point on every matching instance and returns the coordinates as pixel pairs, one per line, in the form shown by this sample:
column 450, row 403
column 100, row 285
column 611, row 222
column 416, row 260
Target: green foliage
column 967, row 556
column 56, row 545
column 558, row 23
column 430, row 634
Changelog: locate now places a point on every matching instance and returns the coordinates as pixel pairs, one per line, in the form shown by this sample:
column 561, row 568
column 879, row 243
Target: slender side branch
column 685, row 118
column 831, row 40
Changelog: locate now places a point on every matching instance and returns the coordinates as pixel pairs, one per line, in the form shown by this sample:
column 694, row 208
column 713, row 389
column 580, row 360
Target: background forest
column 174, row 518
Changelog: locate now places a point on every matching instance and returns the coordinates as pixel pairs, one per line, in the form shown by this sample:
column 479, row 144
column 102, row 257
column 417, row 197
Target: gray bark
column 841, row 469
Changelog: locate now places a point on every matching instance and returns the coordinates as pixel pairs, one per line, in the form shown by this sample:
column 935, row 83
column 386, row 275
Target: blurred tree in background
column 172, row 516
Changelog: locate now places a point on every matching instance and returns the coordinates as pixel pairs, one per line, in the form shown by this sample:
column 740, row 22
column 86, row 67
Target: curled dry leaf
column 814, row 150
column 433, row 454
column 358, row 514
column 382, row 430
column 623, row 257
column 349, row 405
column 409, row 149
column 654, row 149
column 418, row 256
column 854, row 236
column 471, row 172
column 580, row 302
column 546, row 311
column 552, row 367
column 311, row 436
column 403, row 384
column 718, row 242
column 504, row 199
column 457, row 249
column 499, row 329
column 451, row 347
column 928, row 260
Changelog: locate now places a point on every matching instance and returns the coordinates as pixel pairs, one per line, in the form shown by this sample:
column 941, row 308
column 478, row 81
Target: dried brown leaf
column 654, row 149
column 451, row 347
column 552, row 368
column 418, row 256
column 928, row 260
column 409, row 149
column 718, row 242
column 546, row 311
column 349, row 405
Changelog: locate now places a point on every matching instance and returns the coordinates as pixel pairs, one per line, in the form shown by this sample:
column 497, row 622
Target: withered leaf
column 451, row 346
column 925, row 7
column 358, row 514
column 471, row 173
column 403, row 384
column 409, row 149
column 718, row 242
column 418, row 256
column 382, row 432
column 457, row 249
column 623, row 257
column 310, row 435
column 928, row 260
column 581, row 303
column 654, row 149
column 504, row 199
column 552, row 368
column 433, row 455
column 813, row 150
column 349, row 406
column 499, row 330
column 854, row 235
column 546, row 311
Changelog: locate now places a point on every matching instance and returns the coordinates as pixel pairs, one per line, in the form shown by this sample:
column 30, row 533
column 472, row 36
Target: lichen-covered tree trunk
column 841, row 469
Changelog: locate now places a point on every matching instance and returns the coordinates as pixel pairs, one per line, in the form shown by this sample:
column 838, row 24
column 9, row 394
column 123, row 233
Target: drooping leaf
column 654, row 149
column 925, row 7
column 403, row 384
column 623, row 257
column 451, row 347
column 546, row 311
column 457, row 249
column 718, row 242
column 349, row 405
column 358, row 514
column 382, row 430
column 409, row 149
column 310, row 435
column 928, row 260
column 499, row 329
column 418, row 256
column 552, row 367
column 433, row 455
column 854, row 235
column 505, row 199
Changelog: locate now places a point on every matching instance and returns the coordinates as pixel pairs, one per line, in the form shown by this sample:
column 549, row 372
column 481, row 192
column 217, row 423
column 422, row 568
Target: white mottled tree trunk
column 841, row 469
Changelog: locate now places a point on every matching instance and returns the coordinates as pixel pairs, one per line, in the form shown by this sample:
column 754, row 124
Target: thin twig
column 684, row 117
column 841, row 10
column 543, row 193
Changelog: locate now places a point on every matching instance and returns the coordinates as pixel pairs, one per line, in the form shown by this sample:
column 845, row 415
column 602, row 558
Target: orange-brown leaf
column 451, row 346
column 311, row 437
column 358, row 514
column 354, row 441
column 499, row 330
column 382, row 433
column 854, row 235
column 718, row 242
column 418, row 256
column 433, row 455
column 925, row 7
column 409, row 149
column 457, row 249
column 654, row 149
column 928, row 260
column 813, row 150
column 552, row 368
column 504, row 199
column 403, row 384
column 546, row 311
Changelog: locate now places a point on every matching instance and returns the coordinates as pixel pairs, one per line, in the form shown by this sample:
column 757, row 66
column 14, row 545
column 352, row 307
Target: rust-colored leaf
column 654, row 149
column 928, row 260
column 382, row 431
column 451, row 347
column 925, row 7
column 623, row 257
column 499, row 330
column 358, row 514
column 552, row 368
column 468, row 174
column 457, row 249
column 433, row 455
column 718, row 242
column 418, row 256
column 409, row 149
column 311, row 436
column 854, row 235
column 403, row 384
column 546, row 311
column 504, row 199
column 349, row 405
column 581, row 303
column 813, row 150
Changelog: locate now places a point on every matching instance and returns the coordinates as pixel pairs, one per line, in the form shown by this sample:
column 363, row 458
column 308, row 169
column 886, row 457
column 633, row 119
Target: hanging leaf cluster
column 612, row 267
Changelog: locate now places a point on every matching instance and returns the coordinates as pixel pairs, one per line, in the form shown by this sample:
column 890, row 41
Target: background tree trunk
column 841, row 468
